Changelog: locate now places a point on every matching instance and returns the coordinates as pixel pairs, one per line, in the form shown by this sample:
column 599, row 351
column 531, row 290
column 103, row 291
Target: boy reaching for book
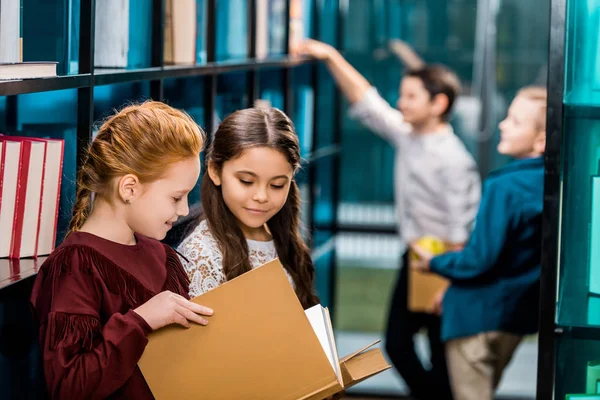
column 437, row 190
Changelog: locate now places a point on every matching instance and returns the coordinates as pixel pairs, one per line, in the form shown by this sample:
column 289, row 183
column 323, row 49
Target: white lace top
column 205, row 266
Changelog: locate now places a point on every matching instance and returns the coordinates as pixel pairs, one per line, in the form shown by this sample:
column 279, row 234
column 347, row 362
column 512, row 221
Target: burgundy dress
column 83, row 297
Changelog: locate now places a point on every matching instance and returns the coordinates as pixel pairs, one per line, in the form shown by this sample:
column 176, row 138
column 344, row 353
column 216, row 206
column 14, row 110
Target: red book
column 28, row 198
column 12, row 152
column 46, row 235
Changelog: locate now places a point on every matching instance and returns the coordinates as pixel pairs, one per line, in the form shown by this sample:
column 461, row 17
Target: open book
column 353, row 368
column 259, row 344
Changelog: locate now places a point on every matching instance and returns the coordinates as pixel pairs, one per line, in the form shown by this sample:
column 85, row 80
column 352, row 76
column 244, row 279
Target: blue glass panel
column 187, row 94
column 201, row 32
column 140, row 34
column 582, row 64
column 231, row 94
column 327, row 20
column 110, row 97
column 303, row 113
column 276, row 27
column 324, row 187
column 323, row 252
column 577, row 366
column 578, row 261
column 232, row 30
column 324, row 127
column 271, row 87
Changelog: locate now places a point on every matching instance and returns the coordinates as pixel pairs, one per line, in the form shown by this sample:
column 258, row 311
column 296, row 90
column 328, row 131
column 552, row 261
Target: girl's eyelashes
column 248, row 183
column 177, row 199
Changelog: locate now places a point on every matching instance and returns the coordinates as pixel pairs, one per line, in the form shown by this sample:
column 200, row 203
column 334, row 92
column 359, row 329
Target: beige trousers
column 476, row 363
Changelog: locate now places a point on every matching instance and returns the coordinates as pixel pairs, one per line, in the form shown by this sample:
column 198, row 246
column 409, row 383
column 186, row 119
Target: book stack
column 30, row 179
column 11, row 46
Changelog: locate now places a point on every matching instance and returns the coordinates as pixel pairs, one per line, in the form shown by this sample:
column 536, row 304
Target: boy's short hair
column 438, row 79
column 539, row 95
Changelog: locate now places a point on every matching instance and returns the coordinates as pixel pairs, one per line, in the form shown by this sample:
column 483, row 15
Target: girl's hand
column 168, row 308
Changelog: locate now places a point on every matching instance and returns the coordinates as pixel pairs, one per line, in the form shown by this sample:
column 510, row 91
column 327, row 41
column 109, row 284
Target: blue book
column 140, row 34
column 46, row 32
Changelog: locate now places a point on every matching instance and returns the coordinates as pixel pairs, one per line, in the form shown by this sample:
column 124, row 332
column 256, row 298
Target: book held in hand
column 259, row 344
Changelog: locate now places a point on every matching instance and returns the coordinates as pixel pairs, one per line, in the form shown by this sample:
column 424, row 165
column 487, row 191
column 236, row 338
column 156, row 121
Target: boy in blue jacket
column 493, row 298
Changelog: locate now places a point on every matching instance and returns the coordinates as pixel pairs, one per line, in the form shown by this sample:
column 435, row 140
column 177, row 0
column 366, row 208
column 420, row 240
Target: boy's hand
column 423, row 258
column 436, row 305
column 316, row 49
column 406, row 54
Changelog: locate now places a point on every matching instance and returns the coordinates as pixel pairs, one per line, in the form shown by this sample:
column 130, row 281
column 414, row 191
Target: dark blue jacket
column 495, row 278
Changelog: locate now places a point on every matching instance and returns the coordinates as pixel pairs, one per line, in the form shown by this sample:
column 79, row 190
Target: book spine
column 60, row 169
column 15, row 251
column 41, row 202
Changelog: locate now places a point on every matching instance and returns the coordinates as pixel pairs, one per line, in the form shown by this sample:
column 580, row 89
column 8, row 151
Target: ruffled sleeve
column 203, row 261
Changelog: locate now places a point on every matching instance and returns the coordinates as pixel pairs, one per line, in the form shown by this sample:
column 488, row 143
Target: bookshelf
column 569, row 345
column 224, row 79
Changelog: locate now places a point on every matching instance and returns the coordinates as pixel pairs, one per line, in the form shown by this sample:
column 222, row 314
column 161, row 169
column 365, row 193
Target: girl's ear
column 213, row 173
column 129, row 188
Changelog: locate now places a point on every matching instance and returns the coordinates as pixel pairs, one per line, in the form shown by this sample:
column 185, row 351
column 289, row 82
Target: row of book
column 30, row 180
column 185, row 21
column 36, row 38
column 123, row 34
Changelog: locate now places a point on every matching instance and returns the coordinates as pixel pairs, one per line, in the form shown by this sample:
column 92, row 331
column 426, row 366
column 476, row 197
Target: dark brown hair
column 438, row 79
column 242, row 130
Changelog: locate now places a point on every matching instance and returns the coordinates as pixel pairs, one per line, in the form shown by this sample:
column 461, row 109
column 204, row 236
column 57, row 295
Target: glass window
column 367, row 268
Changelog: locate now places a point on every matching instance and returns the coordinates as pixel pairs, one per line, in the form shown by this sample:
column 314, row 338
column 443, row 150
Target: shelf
column 112, row 76
column 9, row 88
column 359, row 228
column 15, row 271
column 578, row 332
column 585, row 111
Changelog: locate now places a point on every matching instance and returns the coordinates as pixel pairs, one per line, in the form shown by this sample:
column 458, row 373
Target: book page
column 315, row 317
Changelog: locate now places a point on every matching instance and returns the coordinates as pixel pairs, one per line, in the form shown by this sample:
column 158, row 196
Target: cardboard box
column 424, row 286
column 259, row 344
column 422, row 289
